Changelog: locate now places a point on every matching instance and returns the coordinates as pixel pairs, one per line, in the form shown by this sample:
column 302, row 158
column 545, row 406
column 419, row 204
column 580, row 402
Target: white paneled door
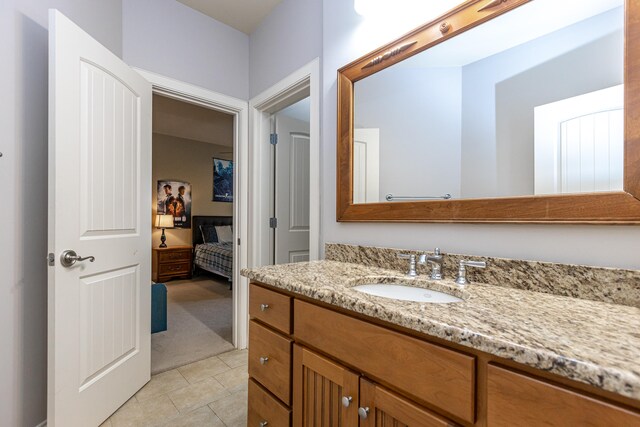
column 99, row 203
column 366, row 165
column 292, row 190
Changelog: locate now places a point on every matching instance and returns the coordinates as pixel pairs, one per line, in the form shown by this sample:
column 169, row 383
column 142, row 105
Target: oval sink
column 407, row 293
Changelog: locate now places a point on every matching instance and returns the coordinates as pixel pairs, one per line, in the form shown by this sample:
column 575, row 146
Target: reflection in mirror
column 529, row 103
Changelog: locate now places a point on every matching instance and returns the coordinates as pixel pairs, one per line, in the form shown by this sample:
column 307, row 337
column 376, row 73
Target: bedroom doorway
column 192, row 240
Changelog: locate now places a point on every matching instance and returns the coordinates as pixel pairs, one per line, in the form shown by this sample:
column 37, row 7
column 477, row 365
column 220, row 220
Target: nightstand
column 172, row 262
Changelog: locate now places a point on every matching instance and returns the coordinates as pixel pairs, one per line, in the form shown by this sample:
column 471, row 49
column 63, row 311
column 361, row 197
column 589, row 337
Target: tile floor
column 211, row 392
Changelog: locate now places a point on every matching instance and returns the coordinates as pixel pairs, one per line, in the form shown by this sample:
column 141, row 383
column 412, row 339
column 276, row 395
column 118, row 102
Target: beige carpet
column 198, row 323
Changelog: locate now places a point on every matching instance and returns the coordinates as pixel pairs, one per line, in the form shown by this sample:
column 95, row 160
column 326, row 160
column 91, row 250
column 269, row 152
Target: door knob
column 363, row 412
column 346, row 401
column 70, row 257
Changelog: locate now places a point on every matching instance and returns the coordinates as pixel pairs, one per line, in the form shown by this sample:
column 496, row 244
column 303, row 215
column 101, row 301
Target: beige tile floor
column 211, row 392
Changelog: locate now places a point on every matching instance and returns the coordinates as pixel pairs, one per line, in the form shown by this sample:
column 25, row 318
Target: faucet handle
column 412, row 264
column 462, row 270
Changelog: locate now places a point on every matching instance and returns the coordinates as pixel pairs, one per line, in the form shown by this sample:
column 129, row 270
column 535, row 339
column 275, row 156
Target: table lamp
column 164, row 221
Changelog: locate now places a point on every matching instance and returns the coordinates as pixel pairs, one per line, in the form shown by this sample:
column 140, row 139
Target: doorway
column 192, row 241
column 198, row 96
column 300, row 85
column 289, row 221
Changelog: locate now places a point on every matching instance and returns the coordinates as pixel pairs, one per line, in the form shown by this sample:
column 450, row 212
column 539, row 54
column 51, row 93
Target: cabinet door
column 381, row 407
column 319, row 388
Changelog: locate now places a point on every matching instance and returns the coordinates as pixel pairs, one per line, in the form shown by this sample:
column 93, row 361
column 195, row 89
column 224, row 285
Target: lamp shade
column 164, row 221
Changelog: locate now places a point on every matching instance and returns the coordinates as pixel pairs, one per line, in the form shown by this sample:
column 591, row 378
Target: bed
column 212, row 256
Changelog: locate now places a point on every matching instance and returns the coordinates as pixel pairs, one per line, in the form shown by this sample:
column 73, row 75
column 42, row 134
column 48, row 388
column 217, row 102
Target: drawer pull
column 264, row 307
column 264, row 360
column 363, row 412
column 346, row 401
column 264, row 423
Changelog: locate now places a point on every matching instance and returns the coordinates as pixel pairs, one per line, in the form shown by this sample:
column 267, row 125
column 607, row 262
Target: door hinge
column 238, row 241
column 273, row 222
column 51, row 259
column 273, row 139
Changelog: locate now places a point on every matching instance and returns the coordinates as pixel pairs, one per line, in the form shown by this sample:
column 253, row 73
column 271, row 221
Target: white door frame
column 192, row 94
column 298, row 85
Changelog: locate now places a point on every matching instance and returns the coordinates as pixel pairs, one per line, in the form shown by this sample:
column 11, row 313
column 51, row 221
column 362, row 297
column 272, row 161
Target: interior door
column 99, row 200
column 366, row 165
column 325, row 394
column 292, row 190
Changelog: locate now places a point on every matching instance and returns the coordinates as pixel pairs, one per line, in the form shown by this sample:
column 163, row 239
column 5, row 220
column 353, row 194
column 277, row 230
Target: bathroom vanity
column 324, row 354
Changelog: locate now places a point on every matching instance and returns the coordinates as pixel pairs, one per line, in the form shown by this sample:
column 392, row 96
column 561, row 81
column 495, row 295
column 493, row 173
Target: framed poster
column 222, row 180
column 174, row 198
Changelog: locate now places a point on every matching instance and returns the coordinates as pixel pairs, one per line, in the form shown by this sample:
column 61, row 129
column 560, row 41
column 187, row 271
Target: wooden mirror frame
column 622, row 207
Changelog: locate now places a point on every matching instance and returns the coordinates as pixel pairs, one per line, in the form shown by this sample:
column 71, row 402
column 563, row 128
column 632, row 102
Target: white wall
column 169, row 38
column 288, row 38
column 418, row 112
column 187, row 160
column 23, row 174
column 346, row 37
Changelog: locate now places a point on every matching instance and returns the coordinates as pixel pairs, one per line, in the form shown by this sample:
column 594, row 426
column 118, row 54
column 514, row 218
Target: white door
column 292, row 190
column 366, row 165
column 99, row 201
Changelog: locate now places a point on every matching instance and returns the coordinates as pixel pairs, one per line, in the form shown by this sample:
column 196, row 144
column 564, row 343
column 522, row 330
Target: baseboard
column 42, row 424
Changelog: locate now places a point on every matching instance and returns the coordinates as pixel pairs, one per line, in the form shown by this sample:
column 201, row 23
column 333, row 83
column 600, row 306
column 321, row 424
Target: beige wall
column 191, row 161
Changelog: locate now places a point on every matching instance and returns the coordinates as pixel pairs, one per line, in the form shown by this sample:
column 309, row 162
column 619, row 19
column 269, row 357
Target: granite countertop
column 597, row 343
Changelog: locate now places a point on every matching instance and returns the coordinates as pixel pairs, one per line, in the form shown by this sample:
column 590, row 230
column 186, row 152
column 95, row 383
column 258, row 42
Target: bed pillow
column 209, row 234
column 225, row 235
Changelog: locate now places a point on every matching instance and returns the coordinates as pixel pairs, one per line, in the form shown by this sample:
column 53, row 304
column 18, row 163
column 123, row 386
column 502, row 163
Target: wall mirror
column 498, row 111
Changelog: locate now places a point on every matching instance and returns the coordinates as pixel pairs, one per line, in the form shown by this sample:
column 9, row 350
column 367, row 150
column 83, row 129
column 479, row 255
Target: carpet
column 199, row 323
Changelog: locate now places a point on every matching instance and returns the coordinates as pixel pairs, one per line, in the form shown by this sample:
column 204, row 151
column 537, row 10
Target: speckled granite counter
column 593, row 342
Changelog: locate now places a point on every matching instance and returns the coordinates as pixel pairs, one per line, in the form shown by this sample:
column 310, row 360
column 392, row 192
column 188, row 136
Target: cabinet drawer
column 432, row 374
column 275, row 372
column 515, row 399
column 174, row 268
column 263, row 407
column 270, row 307
column 175, row 255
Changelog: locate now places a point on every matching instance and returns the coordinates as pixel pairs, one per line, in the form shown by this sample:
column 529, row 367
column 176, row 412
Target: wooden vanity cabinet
column 517, row 399
column 385, row 408
column 319, row 388
column 301, row 377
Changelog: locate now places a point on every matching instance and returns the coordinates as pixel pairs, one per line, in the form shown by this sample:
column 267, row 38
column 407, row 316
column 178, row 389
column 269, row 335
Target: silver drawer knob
column 363, row 412
column 264, row 307
column 346, row 401
column 264, row 423
column 264, row 360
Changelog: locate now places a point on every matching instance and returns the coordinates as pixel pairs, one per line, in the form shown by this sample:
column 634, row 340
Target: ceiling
column 188, row 121
column 301, row 110
column 510, row 30
column 243, row 15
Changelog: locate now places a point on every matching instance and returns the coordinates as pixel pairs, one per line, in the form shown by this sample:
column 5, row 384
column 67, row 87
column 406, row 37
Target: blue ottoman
column 158, row 307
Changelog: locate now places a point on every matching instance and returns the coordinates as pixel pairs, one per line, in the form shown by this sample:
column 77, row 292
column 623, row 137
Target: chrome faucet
column 412, row 264
column 462, row 270
column 436, row 261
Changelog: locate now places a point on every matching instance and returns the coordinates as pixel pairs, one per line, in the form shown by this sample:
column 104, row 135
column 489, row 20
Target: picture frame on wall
column 174, row 198
column 222, row 180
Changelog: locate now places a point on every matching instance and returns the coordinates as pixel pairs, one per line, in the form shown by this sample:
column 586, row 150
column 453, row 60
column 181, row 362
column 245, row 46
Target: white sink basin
column 407, row 293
